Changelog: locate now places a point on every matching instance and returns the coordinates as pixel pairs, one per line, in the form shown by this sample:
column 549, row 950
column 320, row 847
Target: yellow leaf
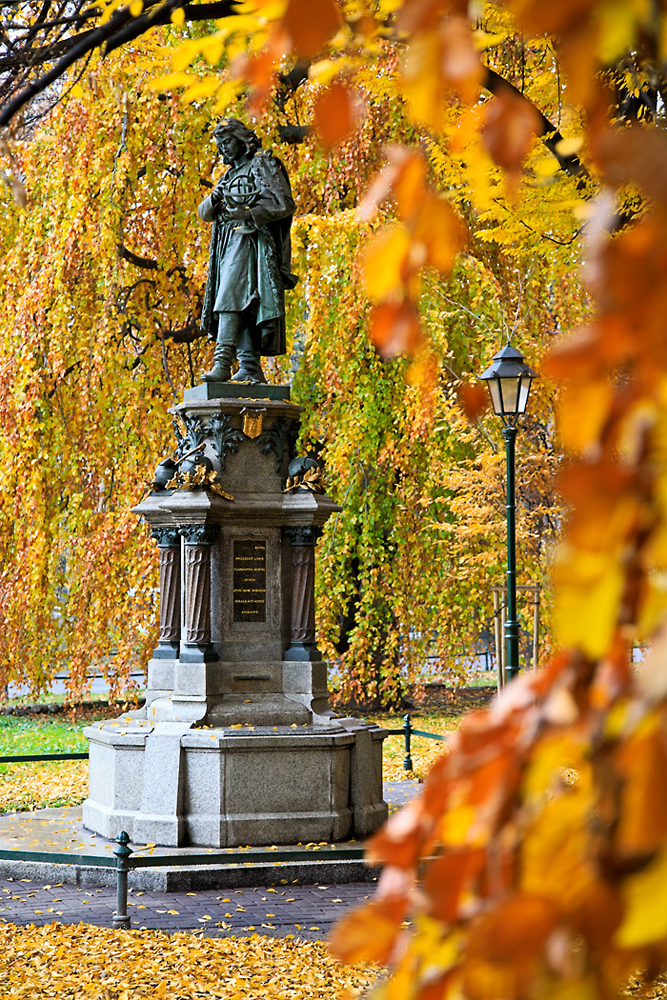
column 547, row 166
column 645, row 896
column 588, row 589
column 483, row 40
column 324, row 70
column 582, row 411
column 385, row 259
column 177, row 16
column 569, row 147
column 227, row 95
column 185, row 53
column 203, row 88
column 212, row 48
column 171, row 81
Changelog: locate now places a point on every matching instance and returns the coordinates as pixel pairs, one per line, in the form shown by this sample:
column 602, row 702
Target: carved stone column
column 169, row 543
column 302, row 625
column 196, row 636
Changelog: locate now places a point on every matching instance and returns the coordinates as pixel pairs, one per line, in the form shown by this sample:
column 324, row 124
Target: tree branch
column 132, row 258
column 121, row 28
column 550, row 134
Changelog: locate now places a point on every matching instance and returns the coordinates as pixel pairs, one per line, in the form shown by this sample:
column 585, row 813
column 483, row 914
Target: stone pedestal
column 236, row 743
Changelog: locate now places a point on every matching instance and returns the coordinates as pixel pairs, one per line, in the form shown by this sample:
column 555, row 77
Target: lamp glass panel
column 510, row 394
column 523, row 392
column 496, row 398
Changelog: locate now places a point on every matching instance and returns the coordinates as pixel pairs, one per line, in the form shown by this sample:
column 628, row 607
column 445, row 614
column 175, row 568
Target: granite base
column 172, row 784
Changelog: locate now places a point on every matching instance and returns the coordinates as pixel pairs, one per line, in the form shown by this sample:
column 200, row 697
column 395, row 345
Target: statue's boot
column 250, row 369
column 223, row 355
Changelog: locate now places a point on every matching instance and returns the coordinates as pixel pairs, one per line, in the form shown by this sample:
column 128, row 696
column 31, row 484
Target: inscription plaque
column 249, row 575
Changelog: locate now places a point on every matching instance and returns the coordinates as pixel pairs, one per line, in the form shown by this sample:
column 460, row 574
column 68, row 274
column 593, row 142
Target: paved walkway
column 305, row 911
column 61, row 831
column 286, row 907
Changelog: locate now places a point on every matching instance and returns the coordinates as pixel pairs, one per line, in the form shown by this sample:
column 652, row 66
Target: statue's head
column 232, row 128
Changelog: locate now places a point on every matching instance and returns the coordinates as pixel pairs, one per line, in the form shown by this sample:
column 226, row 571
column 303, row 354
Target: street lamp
column 509, row 379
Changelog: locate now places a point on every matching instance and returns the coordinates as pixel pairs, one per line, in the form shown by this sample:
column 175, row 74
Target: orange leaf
column 597, row 913
column 385, row 261
column 440, row 230
column 395, row 328
column 336, row 113
column 473, row 399
column 368, row 934
column 398, row 842
column 479, row 730
column 514, row 931
column 441, row 58
column 460, row 62
column 410, row 184
column 510, row 127
column 311, row 23
column 539, row 17
column 643, row 822
column 447, row 877
column 259, row 68
column 604, row 505
column 405, row 175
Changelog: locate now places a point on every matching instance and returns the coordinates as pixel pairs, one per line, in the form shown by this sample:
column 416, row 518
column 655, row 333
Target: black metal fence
column 125, row 860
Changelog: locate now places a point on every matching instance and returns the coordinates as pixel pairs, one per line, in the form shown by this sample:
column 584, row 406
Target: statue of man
column 251, row 208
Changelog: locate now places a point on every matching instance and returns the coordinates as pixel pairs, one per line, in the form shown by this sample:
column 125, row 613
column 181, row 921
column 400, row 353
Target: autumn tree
column 534, row 862
column 101, row 281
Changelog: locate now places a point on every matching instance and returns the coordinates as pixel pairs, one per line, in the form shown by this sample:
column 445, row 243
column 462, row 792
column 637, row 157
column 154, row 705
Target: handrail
column 407, row 731
column 124, row 859
column 30, row 757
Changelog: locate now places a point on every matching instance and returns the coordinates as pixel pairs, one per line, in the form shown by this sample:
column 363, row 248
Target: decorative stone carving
column 199, row 534
column 225, row 437
column 170, row 593
column 198, row 540
column 282, row 432
column 198, row 594
column 166, row 536
column 189, row 433
column 303, row 594
column 302, row 534
column 169, row 543
column 302, row 623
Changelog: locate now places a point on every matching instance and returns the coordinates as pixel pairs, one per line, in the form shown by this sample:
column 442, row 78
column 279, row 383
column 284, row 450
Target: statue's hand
column 218, row 200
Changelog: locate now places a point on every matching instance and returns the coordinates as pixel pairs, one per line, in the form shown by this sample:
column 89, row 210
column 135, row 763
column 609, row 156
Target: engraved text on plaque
column 249, row 580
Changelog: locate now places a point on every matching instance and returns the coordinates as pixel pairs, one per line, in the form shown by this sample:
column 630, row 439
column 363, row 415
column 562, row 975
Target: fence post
column 407, row 730
column 122, row 852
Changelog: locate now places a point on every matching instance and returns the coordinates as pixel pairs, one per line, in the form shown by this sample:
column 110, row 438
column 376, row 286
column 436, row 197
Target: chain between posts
column 122, row 852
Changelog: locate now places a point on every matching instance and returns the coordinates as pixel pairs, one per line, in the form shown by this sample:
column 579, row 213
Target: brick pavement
column 305, row 911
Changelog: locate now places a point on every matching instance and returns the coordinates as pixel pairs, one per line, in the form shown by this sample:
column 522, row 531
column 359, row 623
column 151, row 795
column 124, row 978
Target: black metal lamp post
column 509, row 379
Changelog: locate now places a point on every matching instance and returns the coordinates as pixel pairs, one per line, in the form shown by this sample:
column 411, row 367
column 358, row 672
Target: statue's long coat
column 252, row 270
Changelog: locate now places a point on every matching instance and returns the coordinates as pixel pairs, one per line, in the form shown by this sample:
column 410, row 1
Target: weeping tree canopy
column 447, row 160
column 102, row 279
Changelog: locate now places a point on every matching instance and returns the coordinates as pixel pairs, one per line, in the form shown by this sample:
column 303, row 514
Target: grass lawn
column 39, row 786
column 424, row 752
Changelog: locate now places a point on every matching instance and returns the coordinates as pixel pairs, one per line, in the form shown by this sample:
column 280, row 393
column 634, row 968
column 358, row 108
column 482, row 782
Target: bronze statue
column 251, row 208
